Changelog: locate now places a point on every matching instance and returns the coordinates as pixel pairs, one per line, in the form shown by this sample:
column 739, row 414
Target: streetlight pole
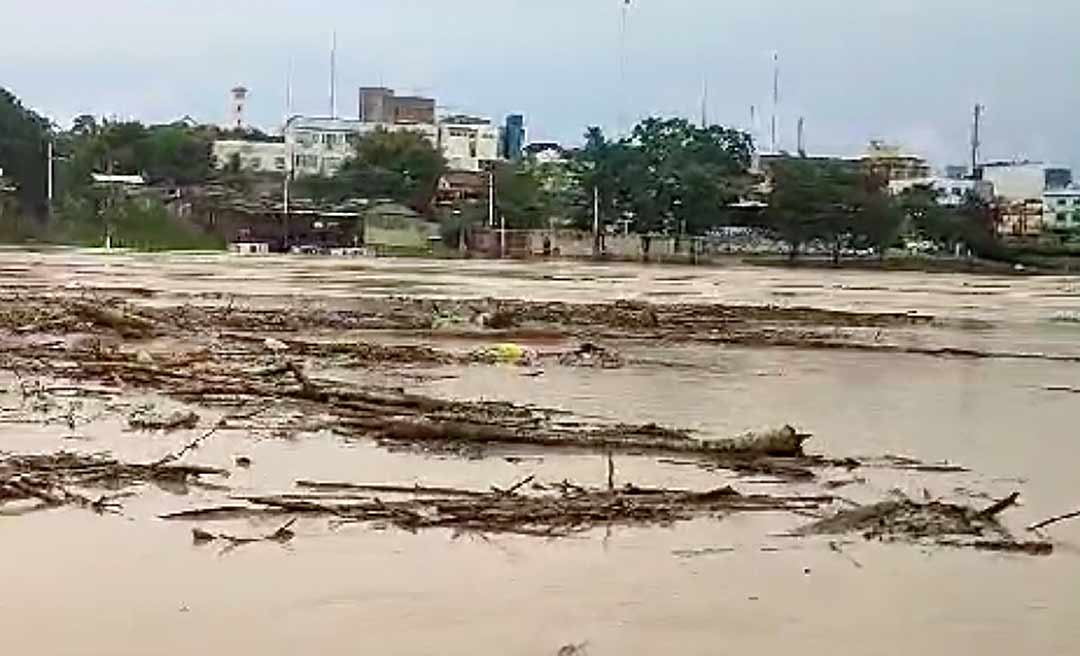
column 596, row 221
column 491, row 199
column 502, row 236
column 49, row 183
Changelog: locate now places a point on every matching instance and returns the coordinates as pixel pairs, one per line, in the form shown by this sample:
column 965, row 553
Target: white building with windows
column 319, row 146
column 252, row 156
column 1061, row 209
column 949, row 192
column 468, row 143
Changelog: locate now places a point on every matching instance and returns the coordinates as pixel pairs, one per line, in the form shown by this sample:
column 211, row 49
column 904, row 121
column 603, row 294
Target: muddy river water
column 80, row 583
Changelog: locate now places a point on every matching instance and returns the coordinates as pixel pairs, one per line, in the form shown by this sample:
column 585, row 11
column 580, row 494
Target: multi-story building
column 382, row 105
column 1061, row 209
column 1059, row 178
column 467, row 142
column 1020, row 218
column 514, row 137
column 252, row 156
column 1015, row 181
column 319, row 146
column 889, row 163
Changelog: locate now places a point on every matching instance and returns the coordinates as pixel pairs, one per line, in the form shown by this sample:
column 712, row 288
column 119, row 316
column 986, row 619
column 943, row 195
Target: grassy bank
column 136, row 226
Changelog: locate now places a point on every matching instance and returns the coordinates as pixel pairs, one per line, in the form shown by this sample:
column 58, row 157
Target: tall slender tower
column 333, row 74
column 623, row 19
column 238, row 107
column 976, row 138
column 776, row 101
column 704, row 103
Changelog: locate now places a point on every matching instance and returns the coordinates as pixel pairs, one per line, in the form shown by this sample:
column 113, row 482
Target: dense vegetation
column 23, row 138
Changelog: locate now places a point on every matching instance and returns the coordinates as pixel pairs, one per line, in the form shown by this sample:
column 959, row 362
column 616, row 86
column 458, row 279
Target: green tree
column 400, row 165
column 669, row 176
column 163, row 153
column 879, row 221
column 832, row 202
column 520, row 197
column 23, row 138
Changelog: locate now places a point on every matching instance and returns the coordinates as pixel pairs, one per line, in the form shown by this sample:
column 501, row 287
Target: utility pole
column 502, row 236
column 596, row 221
column 802, row 137
column 776, row 100
column 491, row 199
column 976, row 139
column 49, row 183
column 288, row 146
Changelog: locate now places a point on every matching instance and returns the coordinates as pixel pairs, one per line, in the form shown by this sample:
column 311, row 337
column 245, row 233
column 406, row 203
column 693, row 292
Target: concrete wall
column 577, row 244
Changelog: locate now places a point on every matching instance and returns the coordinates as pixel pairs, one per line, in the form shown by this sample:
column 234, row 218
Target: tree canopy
column 830, row 201
column 399, row 165
column 172, row 153
column 23, row 138
column 669, row 175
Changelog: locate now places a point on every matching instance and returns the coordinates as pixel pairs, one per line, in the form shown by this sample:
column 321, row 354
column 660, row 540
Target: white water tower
column 238, row 107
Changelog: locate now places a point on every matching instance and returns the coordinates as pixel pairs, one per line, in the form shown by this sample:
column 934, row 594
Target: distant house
column 1061, row 210
column 544, row 152
column 108, row 179
column 251, row 156
column 890, row 163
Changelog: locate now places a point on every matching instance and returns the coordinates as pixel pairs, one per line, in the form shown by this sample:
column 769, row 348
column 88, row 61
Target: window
column 255, row 163
column 1062, row 217
column 279, row 163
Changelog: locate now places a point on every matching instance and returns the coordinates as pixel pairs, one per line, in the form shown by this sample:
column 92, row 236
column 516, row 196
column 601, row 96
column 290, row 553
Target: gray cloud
column 903, row 71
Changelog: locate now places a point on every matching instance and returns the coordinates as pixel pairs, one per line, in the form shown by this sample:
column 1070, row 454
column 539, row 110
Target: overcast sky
column 907, row 71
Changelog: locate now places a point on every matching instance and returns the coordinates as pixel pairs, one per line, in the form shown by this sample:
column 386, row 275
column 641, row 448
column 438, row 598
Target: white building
column 950, row 192
column 1061, row 209
column 319, row 146
column 546, row 152
column 467, row 143
column 1016, row 181
column 252, row 156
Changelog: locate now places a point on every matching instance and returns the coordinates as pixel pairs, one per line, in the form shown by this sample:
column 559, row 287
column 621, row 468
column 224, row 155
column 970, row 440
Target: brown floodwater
column 78, row 583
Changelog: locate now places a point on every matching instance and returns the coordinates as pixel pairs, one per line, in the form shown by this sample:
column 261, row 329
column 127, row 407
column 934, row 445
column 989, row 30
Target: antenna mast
column 976, row 138
column 776, row 99
column 625, row 11
column 333, row 74
column 704, row 103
